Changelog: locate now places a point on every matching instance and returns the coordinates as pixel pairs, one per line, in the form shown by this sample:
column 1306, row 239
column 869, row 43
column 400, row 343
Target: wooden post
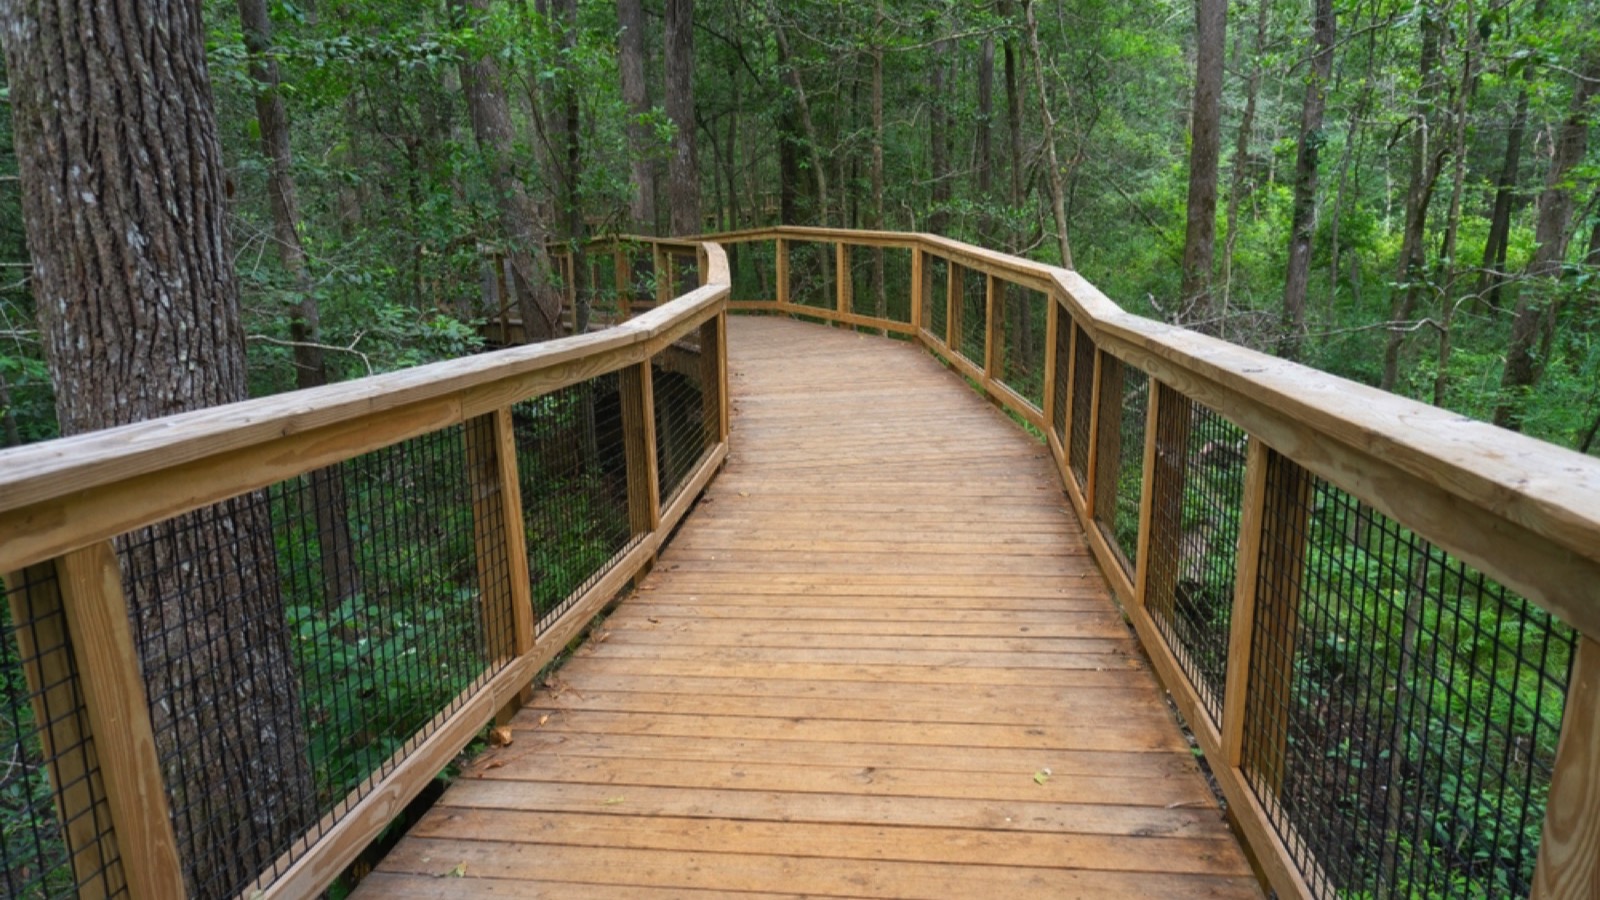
column 663, row 267
column 1569, row 852
column 1272, row 533
column 639, row 441
column 783, row 274
column 119, row 718
column 498, row 534
column 624, row 276
column 841, row 279
column 917, row 323
column 42, row 644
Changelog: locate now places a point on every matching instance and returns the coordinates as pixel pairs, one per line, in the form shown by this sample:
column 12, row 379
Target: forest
column 1398, row 191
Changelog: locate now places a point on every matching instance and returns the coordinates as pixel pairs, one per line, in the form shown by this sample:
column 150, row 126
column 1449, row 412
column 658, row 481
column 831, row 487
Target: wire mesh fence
column 286, row 667
column 640, row 291
column 880, row 282
column 1119, row 454
column 1083, row 356
column 1404, row 708
column 1197, row 495
column 973, row 297
column 812, row 281
column 1062, row 376
column 685, row 405
column 1023, row 312
column 685, row 269
column 572, row 465
column 602, row 286
column 753, row 269
column 55, row 830
column 935, row 305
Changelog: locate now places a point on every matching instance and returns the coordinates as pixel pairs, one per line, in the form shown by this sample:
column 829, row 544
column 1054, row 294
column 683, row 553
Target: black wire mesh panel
column 1062, row 374
column 572, row 464
column 684, row 429
column 641, row 286
column 285, row 665
column 811, row 275
column 600, row 289
column 1023, row 326
column 54, row 825
column 935, row 305
column 1082, row 400
column 1404, row 709
column 685, row 272
column 895, row 302
column 974, row 300
column 753, row 267
column 1119, row 457
column 1197, row 495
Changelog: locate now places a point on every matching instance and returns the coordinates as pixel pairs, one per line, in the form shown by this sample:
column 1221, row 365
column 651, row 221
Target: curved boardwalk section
column 876, row 661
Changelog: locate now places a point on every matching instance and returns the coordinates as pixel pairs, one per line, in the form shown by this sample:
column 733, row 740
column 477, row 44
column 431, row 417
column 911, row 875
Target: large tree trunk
column 340, row 580
column 1536, row 302
column 986, row 132
column 124, row 200
column 683, row 178
column 534, row 294
column 1303, row 221
column 1058, row 202
column 566, row 140
column 1205, row 131
column 636, row 94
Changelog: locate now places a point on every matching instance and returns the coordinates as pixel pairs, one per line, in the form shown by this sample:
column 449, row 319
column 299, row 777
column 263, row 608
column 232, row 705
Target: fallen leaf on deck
column 613, row 801
column 460, row 871
column 500, row 736
column 1041, row 776
column 544, row 718
column 495, row 764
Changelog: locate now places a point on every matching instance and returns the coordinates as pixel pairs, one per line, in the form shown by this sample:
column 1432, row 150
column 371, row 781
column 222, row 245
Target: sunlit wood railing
column 466, row 431
column 1298, row 553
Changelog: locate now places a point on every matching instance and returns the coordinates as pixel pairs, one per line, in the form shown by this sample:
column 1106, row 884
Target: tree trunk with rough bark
column 939, row 126
column 683, row 171
column 534, row 293
column 1205, row 130
column 1241, row 150
column 1303, row 221
column 1537, row 300
column 636, row 94
column 124, row 201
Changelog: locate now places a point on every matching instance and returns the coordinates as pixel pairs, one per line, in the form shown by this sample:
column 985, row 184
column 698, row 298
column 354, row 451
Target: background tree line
column 1399, row 191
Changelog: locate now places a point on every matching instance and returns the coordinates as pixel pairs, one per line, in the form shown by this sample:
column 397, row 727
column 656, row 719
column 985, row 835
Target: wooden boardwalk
column 876, row 661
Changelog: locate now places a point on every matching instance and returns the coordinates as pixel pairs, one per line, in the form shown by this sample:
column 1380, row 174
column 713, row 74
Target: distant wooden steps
column 876, row 661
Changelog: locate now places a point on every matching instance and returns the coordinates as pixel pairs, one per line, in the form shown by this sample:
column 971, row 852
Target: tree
column 531, row 284
column 1303, row 221
column 1537, row 301
column 1205, row 136
column 683, row 170
column 125, row 207
column 636, row 93
column 1058, row 202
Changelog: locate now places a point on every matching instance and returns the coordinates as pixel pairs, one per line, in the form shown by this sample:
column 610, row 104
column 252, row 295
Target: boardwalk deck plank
column 876, row 629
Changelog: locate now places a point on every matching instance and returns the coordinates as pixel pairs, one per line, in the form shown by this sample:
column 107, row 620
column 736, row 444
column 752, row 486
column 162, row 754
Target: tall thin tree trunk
column 566, row 149
column 985, row 126
column 880, row 300
column 536, row 297
column 1425, row 166
column 1498, row 242
column 819, row 168
column 1537, row 301
column 683, row 171
column 124, row 201
column 1058, row 202
column 636, row 94
column 939, row 125
column 1303, row 220
column 340, row 580
column 1199, row 241
column 1241, row 151
column 1013, row 122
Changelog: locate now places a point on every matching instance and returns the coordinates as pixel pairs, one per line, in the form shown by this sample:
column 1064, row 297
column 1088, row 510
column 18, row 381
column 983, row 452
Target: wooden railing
column 1328, row 579
column 407, row 536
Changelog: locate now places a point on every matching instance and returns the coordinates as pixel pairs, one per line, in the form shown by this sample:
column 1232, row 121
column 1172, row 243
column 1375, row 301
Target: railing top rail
column 1520, row 482
column 33, row 476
